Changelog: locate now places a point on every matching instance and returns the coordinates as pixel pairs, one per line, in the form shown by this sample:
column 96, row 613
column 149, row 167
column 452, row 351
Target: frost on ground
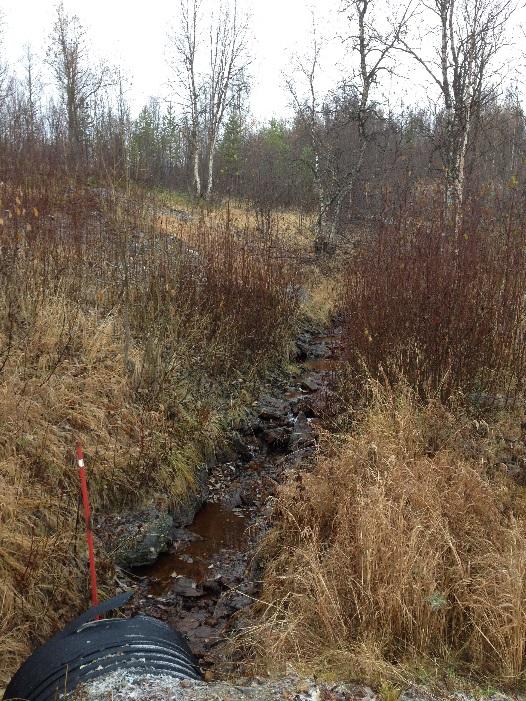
column 137, row 686
column 133, row 686
column 126, row 684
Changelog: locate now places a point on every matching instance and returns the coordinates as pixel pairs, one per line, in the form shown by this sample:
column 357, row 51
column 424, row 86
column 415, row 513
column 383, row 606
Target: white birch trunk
column 211, row 157
column 197, row 177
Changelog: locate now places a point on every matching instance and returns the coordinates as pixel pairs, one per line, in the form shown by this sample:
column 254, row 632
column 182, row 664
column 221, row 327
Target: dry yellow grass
column 292, row 229
column 399, row 547
column 143, row 351
column 49, row 399
column 324, row 295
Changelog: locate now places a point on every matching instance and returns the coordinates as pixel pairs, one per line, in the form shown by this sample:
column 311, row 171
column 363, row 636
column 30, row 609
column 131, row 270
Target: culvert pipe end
column 89, row 649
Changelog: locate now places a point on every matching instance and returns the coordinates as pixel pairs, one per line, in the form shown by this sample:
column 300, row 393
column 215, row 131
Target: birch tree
column 77, row 80
column 183, row 61
column 33, row 89
column 228, row 61
column 468, row 37
column 368, row 52
column 308, row 105
column 207, row 85
column 371, row 46
column 3, row 64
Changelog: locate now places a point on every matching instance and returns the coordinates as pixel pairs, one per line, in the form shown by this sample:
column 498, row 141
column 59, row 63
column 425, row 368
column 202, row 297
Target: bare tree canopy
column 77, row 80
column 3, row 64
column 469, row 35
column 369, row 51
column 207, row 86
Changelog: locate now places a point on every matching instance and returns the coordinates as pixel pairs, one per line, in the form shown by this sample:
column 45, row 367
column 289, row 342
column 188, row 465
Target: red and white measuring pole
column 87, row 518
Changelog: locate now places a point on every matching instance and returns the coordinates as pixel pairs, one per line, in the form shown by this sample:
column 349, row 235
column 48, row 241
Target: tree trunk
column 195, row 158
column 321, row 242
column 211, row 156
column 457, row 142
column 335, row 225
column 459, row 184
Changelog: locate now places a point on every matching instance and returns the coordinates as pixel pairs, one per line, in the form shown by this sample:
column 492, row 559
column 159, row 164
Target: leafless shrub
column 447, row 313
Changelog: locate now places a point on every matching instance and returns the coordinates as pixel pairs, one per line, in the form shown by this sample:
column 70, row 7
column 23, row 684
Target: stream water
column 206, row 579
column 217, row 528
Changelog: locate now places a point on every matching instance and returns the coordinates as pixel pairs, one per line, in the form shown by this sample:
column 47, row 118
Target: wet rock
column 292, row 461
column 294, row 395
column 227, row 454
column 187, row 587
column 305, row 406
column 272, row 408
column 237, row 449
column 182, row 535
column 322, row 403
column 243, row 450
column 251, row 494
column 233, row 499
column 277, row 438
column 302, row 434
column 239, row 602
column 256, row 465
column 310, row 383
column 135, row 537
column 221, row 610
column 310, row 347
column 212, row 587
column 303, row 343
column 317, row 351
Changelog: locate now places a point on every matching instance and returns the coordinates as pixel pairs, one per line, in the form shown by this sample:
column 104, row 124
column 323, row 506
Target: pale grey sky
column 132, row 34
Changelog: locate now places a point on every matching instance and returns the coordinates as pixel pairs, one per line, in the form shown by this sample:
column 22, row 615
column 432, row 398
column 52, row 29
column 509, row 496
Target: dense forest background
column 344, row 146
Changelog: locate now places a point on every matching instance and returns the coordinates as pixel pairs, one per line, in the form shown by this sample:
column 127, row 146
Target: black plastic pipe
column 89, row 649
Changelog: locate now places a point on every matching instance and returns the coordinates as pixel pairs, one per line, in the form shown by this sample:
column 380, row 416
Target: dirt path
column 209, row 575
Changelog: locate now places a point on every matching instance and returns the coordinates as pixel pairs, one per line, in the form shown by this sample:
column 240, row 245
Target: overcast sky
column 132, row 34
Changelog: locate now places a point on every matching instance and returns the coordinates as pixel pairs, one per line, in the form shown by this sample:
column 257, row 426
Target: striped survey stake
column 87, row 518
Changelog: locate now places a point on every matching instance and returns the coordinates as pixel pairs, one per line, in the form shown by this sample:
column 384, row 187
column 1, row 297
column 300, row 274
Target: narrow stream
column 207, row 578
column 216, row 528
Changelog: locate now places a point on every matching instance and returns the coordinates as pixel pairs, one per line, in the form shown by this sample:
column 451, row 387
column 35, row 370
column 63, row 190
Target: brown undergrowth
column 142, row 345
column 446, row 308
column 404, row 548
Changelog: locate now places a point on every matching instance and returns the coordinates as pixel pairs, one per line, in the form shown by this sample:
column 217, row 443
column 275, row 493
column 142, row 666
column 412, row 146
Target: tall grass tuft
column 398, row 550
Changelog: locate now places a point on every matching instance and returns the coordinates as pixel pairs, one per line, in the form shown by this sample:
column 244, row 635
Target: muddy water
column 208, row 577
column 216, row 528
column 323, row 364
